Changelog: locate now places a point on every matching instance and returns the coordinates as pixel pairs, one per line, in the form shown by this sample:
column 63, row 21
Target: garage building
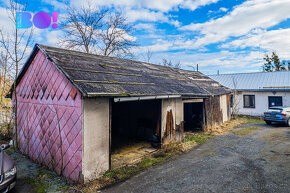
column 76, row 109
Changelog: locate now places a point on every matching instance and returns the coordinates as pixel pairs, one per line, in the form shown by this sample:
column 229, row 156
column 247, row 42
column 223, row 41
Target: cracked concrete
column 257, row 162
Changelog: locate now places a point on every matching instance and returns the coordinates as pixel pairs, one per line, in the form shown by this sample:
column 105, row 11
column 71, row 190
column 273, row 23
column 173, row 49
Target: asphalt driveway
column 257, row 160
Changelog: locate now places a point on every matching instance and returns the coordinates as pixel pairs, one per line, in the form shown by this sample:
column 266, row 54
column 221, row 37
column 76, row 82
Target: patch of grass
column 198, row 138
column 45, row 181
column 235, row 122
column 37, row 184
column 253, row 120
column 246, row 131
column 123, row 173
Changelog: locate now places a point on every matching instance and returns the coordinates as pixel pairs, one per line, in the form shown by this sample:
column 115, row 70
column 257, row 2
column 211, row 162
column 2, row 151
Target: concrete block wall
column 96, row 137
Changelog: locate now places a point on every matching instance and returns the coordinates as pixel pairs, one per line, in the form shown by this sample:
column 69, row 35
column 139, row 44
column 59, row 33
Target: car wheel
column 268, row 122
column 288, row 123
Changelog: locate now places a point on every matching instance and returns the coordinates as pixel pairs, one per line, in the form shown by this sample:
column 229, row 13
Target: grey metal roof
column 259, row 81
column 95, row 75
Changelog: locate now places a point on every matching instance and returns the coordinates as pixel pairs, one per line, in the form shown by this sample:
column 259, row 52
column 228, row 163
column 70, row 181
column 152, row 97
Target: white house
column 256, row 92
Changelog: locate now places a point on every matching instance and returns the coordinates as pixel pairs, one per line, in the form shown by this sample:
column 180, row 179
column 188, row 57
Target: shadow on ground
column 252, row 158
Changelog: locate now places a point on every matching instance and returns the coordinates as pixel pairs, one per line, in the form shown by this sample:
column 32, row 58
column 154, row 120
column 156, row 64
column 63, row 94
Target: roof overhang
column 126, row 99
column 264, row 90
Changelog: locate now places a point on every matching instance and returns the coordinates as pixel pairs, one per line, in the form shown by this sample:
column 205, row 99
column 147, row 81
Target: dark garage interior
column 193, row 116
column 135, row 128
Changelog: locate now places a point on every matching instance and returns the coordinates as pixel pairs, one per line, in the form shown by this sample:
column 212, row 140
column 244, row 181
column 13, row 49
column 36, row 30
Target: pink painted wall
column 46, row 98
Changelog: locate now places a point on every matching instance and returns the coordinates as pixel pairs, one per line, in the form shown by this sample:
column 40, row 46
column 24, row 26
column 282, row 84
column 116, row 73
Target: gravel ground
column 32, row 177
column 258, row 161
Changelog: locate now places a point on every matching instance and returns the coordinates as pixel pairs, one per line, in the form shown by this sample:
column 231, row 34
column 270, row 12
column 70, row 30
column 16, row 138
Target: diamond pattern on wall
column 50, row 118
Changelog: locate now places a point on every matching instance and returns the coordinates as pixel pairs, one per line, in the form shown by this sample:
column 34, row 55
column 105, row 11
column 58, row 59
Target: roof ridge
column 125, row 59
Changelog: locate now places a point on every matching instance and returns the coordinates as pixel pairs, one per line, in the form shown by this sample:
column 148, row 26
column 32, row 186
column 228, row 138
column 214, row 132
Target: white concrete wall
column 261, row 102
column 96, row 134
column 176, row 105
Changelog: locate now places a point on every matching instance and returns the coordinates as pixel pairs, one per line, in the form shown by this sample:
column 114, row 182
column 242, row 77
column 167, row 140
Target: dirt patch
column 130, row 154
column 234, row 123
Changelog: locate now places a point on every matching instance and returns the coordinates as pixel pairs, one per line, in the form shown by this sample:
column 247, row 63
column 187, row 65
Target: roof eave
column 91, row 95
column 263, row 90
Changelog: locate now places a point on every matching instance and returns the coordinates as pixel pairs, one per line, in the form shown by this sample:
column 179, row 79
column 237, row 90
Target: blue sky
column 226, row 35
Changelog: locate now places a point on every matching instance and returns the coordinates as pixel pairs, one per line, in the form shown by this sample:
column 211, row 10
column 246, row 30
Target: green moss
column 246, row 131
column 62, row 188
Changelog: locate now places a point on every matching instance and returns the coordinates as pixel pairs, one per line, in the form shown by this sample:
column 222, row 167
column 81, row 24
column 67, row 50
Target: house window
column 249, row 101
column 275, row 101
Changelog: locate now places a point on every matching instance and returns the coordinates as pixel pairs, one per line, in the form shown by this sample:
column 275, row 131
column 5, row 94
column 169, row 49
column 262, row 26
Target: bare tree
column 5, row 85
column 235, row 99
column 81, row 28
column 169, row 63
column 166, row 62
column 116, row 37
column 177, row 65
column 97, row 30
column 4, row 68
column 15, row 44
column 147, row 55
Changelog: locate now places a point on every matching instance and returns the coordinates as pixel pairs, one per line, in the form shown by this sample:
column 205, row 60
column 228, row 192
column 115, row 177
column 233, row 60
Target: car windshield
column 276, row 110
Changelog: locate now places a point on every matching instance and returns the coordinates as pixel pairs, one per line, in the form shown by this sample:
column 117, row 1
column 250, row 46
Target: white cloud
column 5, row 21
column 244, row 18
column 160, row 5
column 146, row 10
column 194, row 4
column 176, row 23
column 274, row 40
column 209, row 63
column 223, row 9
column 53, row 37
column 145, row 15
column 221, row 60
column 159, row 45
column 56, row 4
column 145, row 26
